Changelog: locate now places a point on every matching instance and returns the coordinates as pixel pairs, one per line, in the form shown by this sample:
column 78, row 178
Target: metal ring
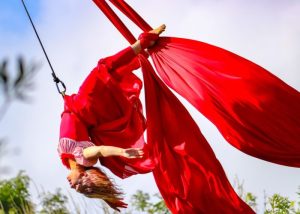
column 62, row 90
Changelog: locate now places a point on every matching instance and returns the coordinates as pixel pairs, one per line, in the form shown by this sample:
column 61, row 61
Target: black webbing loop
column 62, row 90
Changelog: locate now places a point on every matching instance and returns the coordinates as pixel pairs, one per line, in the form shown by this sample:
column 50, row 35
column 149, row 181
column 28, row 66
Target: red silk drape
column 254, row 110
column 187, row 173
column 116, row 21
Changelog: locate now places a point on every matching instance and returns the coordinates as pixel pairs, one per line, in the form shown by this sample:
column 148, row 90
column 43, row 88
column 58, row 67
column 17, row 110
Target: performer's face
column 74, row 177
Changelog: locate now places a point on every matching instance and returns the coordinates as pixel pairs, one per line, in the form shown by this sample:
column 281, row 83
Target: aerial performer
column 104, row 121
column 255, row 111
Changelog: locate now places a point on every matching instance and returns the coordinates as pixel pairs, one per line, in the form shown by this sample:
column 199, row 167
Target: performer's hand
column 133, row 153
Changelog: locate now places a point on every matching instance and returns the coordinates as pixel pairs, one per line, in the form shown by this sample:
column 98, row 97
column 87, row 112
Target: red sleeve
column 121, row 63
column 71, row 149
column 126, row 69
column 71, row 127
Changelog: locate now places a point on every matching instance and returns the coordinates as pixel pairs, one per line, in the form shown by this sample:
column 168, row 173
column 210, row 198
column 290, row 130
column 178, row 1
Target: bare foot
column 137, row 45
column 159, row 29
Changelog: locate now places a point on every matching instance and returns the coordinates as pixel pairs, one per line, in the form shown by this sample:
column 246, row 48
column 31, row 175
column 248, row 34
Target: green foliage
column 141, row 202
column 278, row 204
column 15, row 198
column 160, row 206
column 250, row 199
column 14, row 195
column 54, row 203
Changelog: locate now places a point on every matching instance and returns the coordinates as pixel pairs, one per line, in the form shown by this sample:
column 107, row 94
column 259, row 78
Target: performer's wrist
column 122, row 152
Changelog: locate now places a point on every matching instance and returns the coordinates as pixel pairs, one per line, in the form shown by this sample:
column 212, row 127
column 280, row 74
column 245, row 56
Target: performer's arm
column 85, row 153
column 94, row 152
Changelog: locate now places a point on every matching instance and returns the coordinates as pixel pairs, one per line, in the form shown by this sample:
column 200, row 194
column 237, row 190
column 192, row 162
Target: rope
column 58, row 82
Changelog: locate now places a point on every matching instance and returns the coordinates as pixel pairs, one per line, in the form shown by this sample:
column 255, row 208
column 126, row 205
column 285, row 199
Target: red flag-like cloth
column 188, row 175
column 254, row 110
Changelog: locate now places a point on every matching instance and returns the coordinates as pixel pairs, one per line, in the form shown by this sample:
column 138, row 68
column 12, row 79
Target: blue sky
column 13, row 18
column 76, row 35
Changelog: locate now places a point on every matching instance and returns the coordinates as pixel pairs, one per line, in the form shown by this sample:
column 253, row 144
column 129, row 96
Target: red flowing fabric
column 254, row 110
column 187, row 173
column 116, row 21
column 132, row 14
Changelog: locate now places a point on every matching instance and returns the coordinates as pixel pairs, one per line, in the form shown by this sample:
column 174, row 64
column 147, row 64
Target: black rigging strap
column 61, row 88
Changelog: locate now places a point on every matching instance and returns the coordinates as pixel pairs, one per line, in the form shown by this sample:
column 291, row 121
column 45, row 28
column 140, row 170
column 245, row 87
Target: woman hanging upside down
column 104, row 121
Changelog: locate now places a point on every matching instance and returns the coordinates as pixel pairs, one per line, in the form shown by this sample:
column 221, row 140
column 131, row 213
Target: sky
column 76, row 35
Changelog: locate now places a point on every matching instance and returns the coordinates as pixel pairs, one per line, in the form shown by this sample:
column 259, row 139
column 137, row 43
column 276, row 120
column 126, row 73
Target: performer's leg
column 98, row 78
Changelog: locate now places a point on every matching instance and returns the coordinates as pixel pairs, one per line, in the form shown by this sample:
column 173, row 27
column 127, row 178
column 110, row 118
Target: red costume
column 106, row 111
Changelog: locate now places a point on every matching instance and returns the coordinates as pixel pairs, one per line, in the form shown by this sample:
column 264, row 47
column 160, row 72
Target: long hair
column 95, row 184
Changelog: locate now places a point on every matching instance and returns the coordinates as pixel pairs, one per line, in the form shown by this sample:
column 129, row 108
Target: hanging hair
column 95, row 184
